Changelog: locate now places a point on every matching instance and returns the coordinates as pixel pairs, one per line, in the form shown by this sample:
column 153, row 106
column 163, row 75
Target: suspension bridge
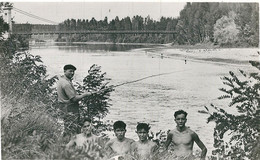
column 52, row 28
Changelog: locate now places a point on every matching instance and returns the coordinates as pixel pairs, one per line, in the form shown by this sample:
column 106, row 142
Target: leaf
column 206, row 108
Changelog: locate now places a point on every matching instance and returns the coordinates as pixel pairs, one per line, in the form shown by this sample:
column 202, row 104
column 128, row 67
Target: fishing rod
column 155, row 75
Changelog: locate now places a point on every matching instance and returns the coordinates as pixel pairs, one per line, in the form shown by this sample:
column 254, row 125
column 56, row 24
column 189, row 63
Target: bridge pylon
column 9, row 17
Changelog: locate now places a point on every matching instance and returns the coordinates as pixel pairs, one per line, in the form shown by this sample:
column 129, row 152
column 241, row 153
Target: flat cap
column 69, row 66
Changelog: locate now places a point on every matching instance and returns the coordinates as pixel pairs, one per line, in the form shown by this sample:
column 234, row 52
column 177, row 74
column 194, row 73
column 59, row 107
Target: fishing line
column 155, row 75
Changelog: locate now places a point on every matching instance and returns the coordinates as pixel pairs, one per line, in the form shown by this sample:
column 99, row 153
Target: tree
column 117, row 24
column 149, row 23
column 127, row 24
column 248, row 22
column 137, row 22
column 181, row 33
column 241, row 128
column 93, row 24
column 170, row 27
column 225, row 30
column 95, row 106
column 112, row 27
column 105, row 23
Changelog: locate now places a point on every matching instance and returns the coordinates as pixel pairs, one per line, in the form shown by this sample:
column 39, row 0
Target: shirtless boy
column 183, row 139
column 119, row 145
column 82, row 140
column 144, row 148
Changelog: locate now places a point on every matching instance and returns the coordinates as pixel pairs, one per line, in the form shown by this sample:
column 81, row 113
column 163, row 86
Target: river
column 153, row 100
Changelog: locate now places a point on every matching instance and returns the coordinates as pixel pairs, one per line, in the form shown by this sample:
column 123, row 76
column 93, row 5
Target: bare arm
column 79, row 97
column 108, row 149
column 132, row 148
column 201, row 145
column 71, row 143
column 168, row 140
column 85, row 94
column 155, row 151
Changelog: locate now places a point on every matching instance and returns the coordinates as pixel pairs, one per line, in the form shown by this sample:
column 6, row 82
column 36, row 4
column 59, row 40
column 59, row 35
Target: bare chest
column 120, row 147
column 182, row 138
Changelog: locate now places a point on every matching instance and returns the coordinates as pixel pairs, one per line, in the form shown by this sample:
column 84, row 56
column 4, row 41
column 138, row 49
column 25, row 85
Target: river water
column 153, row 100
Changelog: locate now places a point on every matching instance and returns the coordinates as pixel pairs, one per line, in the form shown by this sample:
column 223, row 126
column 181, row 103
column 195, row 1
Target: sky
column 58, row 11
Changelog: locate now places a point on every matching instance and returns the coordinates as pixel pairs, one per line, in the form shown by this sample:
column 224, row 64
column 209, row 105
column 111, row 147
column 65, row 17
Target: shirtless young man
column 144, row 148
column 119, row 145
column 82, row 140
column 183, row 139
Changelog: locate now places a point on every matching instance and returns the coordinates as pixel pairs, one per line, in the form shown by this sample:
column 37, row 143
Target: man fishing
column 68, row 100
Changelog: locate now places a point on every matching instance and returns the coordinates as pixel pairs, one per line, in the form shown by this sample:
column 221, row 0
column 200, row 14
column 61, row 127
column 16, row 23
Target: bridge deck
column 93, row 32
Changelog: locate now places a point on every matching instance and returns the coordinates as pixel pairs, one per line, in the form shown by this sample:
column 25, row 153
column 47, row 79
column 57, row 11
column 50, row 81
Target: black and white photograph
column 130, row 80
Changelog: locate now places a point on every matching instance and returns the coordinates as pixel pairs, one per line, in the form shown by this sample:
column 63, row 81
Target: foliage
column 225, row 31
column 95, row 105
column 90, row 151
column 197, row 20
column 248, row 22
column 30, row 124
column 241, row 129
column 27, row 131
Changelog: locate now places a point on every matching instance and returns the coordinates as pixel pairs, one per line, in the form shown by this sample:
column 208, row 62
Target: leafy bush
column 95, row 105
column 242, row 128
column 30, row 123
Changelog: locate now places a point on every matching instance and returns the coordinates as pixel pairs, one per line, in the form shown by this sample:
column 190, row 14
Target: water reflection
column 72, row 47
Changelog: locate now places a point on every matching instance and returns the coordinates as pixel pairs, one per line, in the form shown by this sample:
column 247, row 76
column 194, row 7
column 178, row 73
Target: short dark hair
column 87, row 119
column 180, row 112
column 144, row 126
column 119, row 124
column 69, row 66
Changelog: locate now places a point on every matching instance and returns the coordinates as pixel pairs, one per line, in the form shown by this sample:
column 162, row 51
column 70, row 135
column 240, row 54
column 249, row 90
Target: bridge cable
column 34, row 16
column 37, row 18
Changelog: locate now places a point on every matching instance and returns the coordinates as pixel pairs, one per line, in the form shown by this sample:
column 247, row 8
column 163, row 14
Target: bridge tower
column 9, row 19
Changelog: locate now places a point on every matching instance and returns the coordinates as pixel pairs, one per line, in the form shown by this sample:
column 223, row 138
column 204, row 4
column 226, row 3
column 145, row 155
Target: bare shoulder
column 129, row 140
column 152, row 144
column 134, row 144
column 190, row 130
column 111, row 141
column 192, row 133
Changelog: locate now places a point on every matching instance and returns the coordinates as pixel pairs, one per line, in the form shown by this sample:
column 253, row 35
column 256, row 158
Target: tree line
column 225, row 24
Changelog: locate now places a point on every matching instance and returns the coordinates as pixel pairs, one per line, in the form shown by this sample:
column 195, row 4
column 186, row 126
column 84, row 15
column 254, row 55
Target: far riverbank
column 198, row 53
column 230, row 56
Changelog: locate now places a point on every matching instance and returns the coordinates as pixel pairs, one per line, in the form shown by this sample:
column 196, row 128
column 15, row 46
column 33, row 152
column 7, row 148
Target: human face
column 86, row 128
column 142, row 134
column 180, row 120
column 120, row 133
column 69, row 73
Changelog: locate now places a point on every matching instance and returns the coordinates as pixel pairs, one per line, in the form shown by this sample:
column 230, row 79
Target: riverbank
column 232, row 56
